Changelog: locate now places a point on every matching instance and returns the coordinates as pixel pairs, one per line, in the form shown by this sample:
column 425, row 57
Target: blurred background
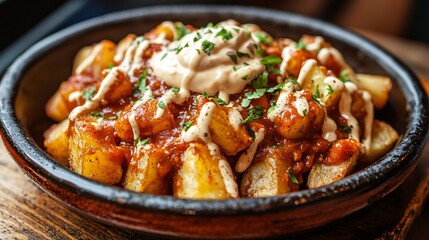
column 27, row 21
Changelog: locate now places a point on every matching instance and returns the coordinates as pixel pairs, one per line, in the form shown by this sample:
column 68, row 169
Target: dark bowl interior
column 36, row 75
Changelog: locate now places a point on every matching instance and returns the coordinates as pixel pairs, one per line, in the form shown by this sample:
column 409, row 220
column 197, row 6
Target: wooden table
column 26, row 212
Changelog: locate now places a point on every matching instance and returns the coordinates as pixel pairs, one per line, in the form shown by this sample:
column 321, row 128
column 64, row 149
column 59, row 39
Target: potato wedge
column 229, row 138
column 93, row 152
column 57, row 142
column 100, row 57
column 81, row 56
column 378, row 86
column 384, row 138
column 322, row 174
column 202, row 176
column 143, row 173
column 267, row 177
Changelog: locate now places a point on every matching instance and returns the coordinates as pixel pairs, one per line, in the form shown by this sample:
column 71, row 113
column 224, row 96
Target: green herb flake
column 180, row 30
column 141, row 83
column 277, row 87
column 272, row 108
column 110, row 66
column 251, row 132
column 329, row 89
column 175, row 90
column 304, row 112
column 161, row 104
column 242, row 54
column 273, row 69
column 271, row 60
column 198, row 37
column 207, row 47
column 88, row 94
column 253, row 113
column 163, row 56
column 347, row 129
column 292, row 176
column 245, row 102
column 261, row 37
column 141, row 142
column 226, row 35
column 96, row 114
column 244, row 77
column 232, row 55
column 237, row 30
column 113, row 117
column 344, row 76
column 261, row 81
column 301, row 45
column 187, row 125
column 293, row 80
column 218, row 100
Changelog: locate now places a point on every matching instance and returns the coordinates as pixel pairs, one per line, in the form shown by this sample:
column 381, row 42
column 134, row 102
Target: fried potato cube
column 378, row 86
column 56, row 108
column 144, row 173
column 122, row 47
column 342, row 157
column 57, row 142
column 93, row 152
column 100, row 57
column 81, row 56
column 267, row 176
column 231, row 139
column 144, row 117
column 292, row 124
column 203, row 176
column 384, row 137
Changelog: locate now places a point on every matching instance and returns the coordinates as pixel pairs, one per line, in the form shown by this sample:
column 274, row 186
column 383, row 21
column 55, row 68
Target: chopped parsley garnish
column 301, row 45
column 187, row 125
column 272, row 108
column 261, row 81
column 207, row 47
column 292, row 176
column 347, row 129
column 316, row 95
column 88, row 94
column 344, row 76
column 226, row 35
column 259, row 50
column 141, row 142
column 329, row 89
column 198, row 37
column 277, row 87
column 237, row 30
column 271, row 60
column 251, row 132
column 242, row 54
column 273, row 69
column 258, row 93
column 163, row 56
column 110, row 66
column 96, row 114
column 180, row 30
column 113, row 117
column 304, row 112
column 261, row 37
column 293, row 80
column 208, row 31
column 232, row 55
column 244, row 77
column 218, row 100
column 253, row 113
column 175, row 90
column 161, row 104
column 141, row 83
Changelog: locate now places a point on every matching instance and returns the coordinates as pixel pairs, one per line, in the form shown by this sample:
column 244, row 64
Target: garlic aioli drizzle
column 329, row 126
column 185, row 64
column 228, row 178
column 345, row 110
column 95, row 101
column 246, row 158
column 132, row 117
column 235, row 118
column 90, row 59
column 300, row 103
column 315, row 45
column 368, row 120
column 305, row 70
column 75, row 97
column 201, row 129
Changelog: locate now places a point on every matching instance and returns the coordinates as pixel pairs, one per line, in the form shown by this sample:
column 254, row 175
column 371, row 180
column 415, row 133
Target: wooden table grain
column 26, row 212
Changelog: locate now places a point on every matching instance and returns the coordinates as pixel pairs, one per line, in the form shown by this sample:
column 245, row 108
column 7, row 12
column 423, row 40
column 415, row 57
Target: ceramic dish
column 38, row 72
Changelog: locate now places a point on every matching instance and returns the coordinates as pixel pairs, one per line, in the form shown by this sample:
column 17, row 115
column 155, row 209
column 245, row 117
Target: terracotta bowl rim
column 403, row 155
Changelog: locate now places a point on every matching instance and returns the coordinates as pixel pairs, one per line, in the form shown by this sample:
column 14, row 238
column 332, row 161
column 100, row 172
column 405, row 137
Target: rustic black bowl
column 34, row 77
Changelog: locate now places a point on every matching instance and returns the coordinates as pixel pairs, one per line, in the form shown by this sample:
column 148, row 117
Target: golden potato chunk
column 145, row 171
column 203, row 176
column 144, row 117
column 267, row 176
column 229, row 138
column 340, row 161
column 56, row 108
column 378, row 86
column 57, row 142
column 93, row 151
column 384, row 137
column 99, row 58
